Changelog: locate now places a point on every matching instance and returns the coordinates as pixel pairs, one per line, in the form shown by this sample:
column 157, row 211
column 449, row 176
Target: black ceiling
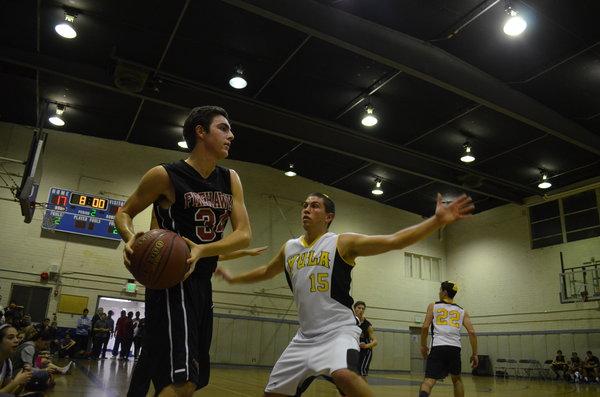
column 525, row 103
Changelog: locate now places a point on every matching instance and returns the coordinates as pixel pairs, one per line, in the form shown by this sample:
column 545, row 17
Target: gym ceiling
column 437, row 74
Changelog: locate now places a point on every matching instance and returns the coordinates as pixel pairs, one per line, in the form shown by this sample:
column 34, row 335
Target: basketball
column 159, row 259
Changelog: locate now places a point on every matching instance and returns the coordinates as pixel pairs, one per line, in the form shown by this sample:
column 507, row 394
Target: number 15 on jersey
column 319, row 282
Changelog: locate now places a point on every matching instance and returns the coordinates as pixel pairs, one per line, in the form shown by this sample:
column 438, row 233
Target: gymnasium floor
column 109, row 378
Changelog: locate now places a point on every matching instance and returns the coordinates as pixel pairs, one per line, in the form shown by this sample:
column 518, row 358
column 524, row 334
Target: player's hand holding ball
column 195, row 254
column 128, row 249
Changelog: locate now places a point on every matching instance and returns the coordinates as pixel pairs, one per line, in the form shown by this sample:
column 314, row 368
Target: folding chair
column 512, row 365
column 501, row 367
column 536, row 369
column 524, row 368
column 546, row 370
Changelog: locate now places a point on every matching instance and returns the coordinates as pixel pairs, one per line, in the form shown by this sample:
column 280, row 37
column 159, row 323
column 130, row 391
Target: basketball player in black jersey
column 194, row 198
column 367, row 340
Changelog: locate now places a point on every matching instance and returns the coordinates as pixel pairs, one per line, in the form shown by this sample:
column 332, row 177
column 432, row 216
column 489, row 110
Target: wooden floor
column 110, row 378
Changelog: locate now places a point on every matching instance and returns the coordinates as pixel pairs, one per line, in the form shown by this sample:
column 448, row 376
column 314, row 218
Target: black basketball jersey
column 364, row 327
column 201, row 209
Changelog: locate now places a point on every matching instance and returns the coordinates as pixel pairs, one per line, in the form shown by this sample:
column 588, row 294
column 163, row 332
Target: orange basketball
column 159, row 259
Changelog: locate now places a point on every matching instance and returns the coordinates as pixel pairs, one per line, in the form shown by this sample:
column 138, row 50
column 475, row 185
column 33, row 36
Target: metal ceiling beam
column 379, row 84
column 414, row 189
column 466, row 20
column 158, row 66
column 274, row 163
column 348, row 175
column 419, row 59
column 445, row 123
column 512, row 149
column 555, row 65
column 280, row 68
column 286, row 124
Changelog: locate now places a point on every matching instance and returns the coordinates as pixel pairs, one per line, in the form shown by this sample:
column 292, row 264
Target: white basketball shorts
column 306, row 358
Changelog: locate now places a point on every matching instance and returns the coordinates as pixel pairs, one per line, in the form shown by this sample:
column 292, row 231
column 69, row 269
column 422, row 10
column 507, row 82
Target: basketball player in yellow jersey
column 445, row 319
column 317, row 267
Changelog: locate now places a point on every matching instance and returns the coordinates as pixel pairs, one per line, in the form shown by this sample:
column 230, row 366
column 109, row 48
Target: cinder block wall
column 504, row 285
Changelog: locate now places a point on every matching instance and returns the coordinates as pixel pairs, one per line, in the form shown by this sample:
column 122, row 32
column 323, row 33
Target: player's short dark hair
column 327, row 202
column 450, row 288
column 359, row 303
column 559, row 351
column 588, row 352
column 200, row 115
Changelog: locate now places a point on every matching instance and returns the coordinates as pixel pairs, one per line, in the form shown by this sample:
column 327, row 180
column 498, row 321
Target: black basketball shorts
column 364, row 361
column 443, row 360
column 179, row 323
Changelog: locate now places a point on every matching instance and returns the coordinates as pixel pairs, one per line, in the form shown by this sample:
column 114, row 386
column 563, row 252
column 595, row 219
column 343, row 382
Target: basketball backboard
column 581, row 284
column 32, row 175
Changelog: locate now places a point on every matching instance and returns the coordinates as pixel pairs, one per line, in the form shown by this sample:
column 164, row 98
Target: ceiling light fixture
column 467, row 156
column 544, row 182
column 66, row 28
column 290, row 172
column 515, row 25
column 182, row 144
column 377, row 189
column 238, row 81
column 369, row 119
column 57, row 119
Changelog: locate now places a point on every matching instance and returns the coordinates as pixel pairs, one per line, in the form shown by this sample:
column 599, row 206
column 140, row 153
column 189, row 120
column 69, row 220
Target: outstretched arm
column 472, row 339
column 425, row 330
column 259, row 274
column 241, row 253
column 354, row 245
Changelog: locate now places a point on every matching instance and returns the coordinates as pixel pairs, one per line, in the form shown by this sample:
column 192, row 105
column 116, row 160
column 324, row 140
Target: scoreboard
column 81, row 213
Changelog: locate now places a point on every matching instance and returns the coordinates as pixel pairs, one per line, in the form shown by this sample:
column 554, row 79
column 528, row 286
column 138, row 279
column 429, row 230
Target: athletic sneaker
column 65, row 370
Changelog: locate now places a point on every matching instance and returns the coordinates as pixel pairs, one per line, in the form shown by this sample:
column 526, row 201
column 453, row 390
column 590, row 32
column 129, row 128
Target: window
column 581, row 216
column 422, row 267
column 568, row 219
column 546, row 225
